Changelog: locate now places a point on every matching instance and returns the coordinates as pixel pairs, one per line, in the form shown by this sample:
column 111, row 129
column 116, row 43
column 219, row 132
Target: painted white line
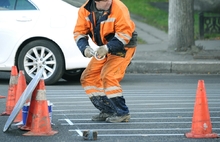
column 132, row 109
column 126, row 96
column 153, row 129
column 61, row 97
column 136, row 123
column 71, row 102
column 161, row 93
column 158, row 112
column 133, row 123
column 79, row 132
column 64, row 90
column 140, row 91
column 167, row 129
column 141, row 100
column 157, row 118
column 135, row 91
column 145, row 104
column 68, row 121
column 137, row 135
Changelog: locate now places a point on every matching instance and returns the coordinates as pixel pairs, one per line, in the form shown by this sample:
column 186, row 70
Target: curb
column 186, row 67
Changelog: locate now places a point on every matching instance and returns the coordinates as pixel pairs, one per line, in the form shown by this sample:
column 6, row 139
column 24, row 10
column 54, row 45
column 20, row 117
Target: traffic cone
column 21, row 86
column 39, row 114
column 33, row 101
column 10, row 101
column 201, row 123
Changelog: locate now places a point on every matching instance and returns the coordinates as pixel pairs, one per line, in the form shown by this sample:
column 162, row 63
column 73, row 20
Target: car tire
column 41, row 53
column 72, row 75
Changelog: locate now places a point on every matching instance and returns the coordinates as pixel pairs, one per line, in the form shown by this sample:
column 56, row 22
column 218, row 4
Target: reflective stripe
column 78, row 36
column 125, row 35
column 96, row 94
column 87, row 18
column 121, row 39
column 112, row 88
column 114, row 95
column 41, row 95
column 92, row 87
column 101, row 93
column 13, row 80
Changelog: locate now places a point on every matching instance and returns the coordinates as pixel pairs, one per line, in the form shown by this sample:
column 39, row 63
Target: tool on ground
column 86, row 135
column 90, row 135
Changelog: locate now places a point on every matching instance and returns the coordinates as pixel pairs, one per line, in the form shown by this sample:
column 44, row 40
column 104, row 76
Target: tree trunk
column 181, row 25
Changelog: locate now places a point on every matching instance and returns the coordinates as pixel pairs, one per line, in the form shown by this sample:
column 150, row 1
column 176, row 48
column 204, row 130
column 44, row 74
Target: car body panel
column 53, row 20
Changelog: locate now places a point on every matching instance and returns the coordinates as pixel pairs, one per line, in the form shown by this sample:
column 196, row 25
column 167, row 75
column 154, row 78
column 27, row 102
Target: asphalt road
column 161, row 106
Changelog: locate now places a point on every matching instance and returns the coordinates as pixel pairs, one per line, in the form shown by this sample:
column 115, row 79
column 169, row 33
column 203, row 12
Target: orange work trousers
column 102, row 77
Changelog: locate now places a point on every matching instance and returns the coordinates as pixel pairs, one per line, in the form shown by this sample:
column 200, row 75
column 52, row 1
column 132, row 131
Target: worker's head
column 103, row 4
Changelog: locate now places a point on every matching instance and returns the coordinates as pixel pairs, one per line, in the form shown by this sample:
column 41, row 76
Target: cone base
column 17, row 120
column 40, row 134
column 191, row 135
column 4, row 114
column 25, row 128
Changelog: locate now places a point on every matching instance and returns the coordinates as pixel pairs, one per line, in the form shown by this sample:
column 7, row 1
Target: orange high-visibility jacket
column 114, row 28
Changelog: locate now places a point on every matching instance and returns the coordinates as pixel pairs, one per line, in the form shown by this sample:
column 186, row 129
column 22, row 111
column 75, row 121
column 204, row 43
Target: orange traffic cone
column 10, row 101
column 21, row 86
column 40, row 123
column 28, row 122
column 201, row 123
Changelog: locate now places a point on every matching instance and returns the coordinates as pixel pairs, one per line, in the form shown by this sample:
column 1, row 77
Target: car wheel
column 38, row 54
column 72, row 75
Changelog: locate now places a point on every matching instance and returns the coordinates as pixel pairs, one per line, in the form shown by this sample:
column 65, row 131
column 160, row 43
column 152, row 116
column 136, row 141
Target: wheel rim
column 37, row 58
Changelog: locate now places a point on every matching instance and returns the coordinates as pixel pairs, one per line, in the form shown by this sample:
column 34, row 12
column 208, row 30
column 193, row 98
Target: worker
column 108, row 24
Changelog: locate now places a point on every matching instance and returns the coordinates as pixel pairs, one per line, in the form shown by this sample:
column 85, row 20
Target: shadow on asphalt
column 64, row 82
column 4, row 81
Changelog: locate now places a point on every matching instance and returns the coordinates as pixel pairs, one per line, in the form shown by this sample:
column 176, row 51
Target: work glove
column 102, row 51
column 88, row 52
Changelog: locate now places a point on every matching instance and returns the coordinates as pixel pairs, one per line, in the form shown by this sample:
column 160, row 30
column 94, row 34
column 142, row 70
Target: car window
column 73, row 2
column 4, row 4
column 16, row 5
column 24, row 5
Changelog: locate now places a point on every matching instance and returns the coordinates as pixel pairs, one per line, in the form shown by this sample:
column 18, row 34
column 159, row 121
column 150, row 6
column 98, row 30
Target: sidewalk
column 154, row 57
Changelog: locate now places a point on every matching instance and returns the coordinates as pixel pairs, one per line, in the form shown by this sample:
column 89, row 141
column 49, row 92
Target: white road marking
column 136, row 123
column 156, row 100
column 69, row 122
column 165, row 129
column 79, row 132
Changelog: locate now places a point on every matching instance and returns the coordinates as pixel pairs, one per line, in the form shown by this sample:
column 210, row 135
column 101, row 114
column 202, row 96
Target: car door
column 16, row 20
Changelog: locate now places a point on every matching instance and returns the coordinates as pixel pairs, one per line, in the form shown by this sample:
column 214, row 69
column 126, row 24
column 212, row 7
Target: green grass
column 141, row 41
column 145, row 12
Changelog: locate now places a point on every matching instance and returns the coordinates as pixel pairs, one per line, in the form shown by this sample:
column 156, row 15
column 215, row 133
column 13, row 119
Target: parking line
column 136, row 123
column 174, row 112
column 69, row 122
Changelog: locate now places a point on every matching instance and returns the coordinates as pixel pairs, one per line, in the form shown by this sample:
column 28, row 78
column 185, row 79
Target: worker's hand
column 102, row 51
column 88, row 52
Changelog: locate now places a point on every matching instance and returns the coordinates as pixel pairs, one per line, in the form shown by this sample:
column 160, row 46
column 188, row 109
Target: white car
column 36, row 33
